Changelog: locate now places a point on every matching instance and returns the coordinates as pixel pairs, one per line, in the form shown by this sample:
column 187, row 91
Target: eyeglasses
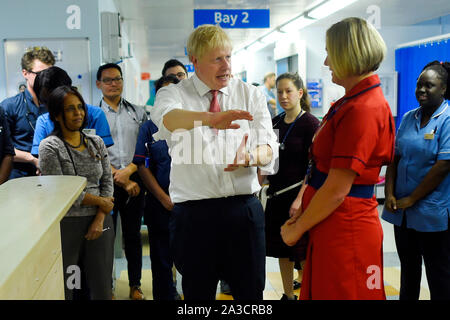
column 35, row 73
column 109, row 80
column 179, row 75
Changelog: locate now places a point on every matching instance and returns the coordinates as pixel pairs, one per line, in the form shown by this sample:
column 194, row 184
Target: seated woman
column 87, row 236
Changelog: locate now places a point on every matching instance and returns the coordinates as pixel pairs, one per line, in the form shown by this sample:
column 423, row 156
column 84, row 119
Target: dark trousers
column 93, row 257
column 157, row 219
column 434, row 248
column 131, row 211
column 20, row 170
column 216, row 239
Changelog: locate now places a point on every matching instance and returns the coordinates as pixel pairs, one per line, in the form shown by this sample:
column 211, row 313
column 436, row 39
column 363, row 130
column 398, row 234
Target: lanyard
column 127, row 106
column 282, row 144
column 324, row 122
column 338, row 106
column 28, row 111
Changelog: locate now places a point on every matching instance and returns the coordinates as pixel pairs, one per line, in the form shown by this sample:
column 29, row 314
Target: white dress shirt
column 200, row 155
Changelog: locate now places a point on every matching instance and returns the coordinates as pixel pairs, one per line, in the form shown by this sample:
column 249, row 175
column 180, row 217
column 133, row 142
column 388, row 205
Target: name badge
column 89, row 131
column 429, row 136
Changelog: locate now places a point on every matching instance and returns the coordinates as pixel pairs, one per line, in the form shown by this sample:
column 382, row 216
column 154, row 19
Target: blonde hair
column 269, row 75
column 354, row 47
column 205, row 38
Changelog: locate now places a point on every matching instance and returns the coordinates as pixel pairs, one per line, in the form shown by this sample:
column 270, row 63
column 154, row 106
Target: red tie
column 214, row 106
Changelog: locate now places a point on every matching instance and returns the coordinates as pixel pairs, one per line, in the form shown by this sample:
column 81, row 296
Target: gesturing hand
column 242, row 157
column 224, row 120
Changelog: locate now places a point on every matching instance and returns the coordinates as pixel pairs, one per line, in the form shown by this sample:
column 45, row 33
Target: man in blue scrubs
column 269, row 84
column 23, row 109
column 45, row 83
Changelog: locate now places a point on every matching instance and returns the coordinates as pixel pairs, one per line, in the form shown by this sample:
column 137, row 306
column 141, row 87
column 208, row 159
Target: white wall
column 314, row 37
column 135, row 89
column 260, row 63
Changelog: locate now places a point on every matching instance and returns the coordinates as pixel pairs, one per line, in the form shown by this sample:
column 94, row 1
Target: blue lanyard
column 282, row 145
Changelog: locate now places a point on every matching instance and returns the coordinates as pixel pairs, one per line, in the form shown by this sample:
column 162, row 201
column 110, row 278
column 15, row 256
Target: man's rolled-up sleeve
column 261, row 131
column 166, row 101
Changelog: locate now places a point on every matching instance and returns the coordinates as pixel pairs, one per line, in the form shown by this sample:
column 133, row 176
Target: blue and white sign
column 189, row 67
column 233, row 18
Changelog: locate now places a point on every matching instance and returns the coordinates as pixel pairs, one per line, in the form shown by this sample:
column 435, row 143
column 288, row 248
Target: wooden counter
column 30, row 242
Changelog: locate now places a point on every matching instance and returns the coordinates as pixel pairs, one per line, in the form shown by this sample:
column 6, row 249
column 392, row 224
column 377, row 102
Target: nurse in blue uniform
column 418, row 187
column 153, row 161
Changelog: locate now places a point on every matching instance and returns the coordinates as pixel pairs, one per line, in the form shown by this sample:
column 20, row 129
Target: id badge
column 429, row 136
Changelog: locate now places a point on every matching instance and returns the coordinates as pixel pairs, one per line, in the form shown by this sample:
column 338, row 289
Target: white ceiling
column 158, row 29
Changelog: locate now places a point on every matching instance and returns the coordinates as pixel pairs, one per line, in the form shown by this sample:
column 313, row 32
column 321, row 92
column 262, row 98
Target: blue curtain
column 409, row 62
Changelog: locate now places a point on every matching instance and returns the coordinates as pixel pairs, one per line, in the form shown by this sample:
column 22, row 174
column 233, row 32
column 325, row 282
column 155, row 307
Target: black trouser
column 434, row 247
column 93, row 257
column 131, row 211
column 157, row 220
column 216, row 239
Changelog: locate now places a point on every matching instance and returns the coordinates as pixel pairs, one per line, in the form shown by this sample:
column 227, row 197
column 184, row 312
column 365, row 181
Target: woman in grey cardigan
column 86, row 231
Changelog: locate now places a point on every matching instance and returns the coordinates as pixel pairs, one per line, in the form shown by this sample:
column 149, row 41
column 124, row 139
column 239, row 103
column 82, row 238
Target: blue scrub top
column 269, row 96
column 419, row 149
column 156, row 151
column 22, row 113
column 96, row 120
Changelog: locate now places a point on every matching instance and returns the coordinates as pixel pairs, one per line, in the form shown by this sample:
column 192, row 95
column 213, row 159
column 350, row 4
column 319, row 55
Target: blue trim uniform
column 155, row 156
column 419, row 149
column 6, row 146
column 22, row 113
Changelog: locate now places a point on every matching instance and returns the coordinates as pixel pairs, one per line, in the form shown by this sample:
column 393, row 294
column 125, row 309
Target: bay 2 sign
column 233, row 18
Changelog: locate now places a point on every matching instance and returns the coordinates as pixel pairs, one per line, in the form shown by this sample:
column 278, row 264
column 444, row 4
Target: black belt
column 317, row 179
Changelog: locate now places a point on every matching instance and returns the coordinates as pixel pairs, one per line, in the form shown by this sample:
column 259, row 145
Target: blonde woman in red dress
column 356, row 138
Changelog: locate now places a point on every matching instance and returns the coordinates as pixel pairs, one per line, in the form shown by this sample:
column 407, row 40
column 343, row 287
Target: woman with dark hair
column 165, row 81
column 344, row 258
column 87, row 236
column 296, row 127
column 175, row 68
column 418, row 187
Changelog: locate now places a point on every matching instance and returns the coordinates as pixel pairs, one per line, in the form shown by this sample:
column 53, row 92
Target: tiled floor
column 273, row 289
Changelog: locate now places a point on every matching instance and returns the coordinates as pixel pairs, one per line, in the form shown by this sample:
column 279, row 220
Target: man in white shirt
column 124, row 120
column 219, row 131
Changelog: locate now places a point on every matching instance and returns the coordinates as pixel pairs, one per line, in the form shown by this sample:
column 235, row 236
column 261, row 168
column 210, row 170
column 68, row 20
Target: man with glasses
column 176, row 68
column 23, row 109
column 124, row 120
